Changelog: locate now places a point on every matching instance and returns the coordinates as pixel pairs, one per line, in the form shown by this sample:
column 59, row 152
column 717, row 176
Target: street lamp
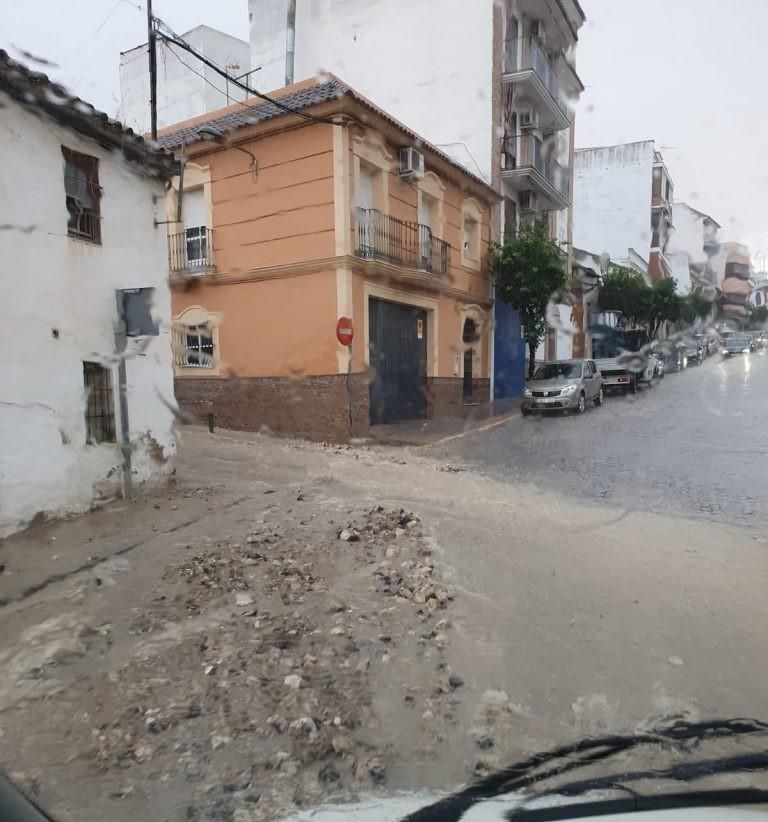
column 210, row 134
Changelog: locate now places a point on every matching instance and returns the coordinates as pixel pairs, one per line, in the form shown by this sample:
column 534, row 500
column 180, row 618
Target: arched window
column 196, row 342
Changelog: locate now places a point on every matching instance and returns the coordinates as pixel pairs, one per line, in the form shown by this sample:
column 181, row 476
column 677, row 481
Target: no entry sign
column 344, row 331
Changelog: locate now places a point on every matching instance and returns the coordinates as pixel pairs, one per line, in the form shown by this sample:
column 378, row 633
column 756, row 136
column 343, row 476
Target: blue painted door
column 509, row 353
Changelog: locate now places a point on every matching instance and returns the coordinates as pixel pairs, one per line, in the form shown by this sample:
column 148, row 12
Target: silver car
column 563, row 385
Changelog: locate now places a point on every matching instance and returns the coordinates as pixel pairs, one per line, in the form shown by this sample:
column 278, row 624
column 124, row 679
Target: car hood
column 495, row 810
column 551, row 385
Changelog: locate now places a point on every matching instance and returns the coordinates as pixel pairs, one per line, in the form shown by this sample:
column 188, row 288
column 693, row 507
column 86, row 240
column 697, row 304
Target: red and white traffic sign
column 344, row 331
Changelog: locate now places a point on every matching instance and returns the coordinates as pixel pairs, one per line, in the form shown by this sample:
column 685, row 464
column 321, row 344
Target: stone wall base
column 315, row 408
column 446, row 396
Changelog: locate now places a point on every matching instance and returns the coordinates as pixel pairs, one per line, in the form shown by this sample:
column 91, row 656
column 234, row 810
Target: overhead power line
column 169, row 36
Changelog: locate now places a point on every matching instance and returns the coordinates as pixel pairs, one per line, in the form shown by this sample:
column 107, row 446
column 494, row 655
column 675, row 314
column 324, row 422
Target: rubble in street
column 252, row 673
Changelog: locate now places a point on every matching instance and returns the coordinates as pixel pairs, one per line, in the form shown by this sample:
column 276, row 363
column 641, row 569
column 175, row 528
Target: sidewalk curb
column 506, row 418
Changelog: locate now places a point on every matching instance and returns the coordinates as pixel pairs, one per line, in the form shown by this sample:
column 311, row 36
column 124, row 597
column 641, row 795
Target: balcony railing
column 528, row 152
column 412, row 245
column 534, row 57
column 191, row 251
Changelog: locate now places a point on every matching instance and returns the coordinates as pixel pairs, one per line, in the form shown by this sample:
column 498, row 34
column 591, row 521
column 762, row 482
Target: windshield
column 558, row 370
column 383, row 402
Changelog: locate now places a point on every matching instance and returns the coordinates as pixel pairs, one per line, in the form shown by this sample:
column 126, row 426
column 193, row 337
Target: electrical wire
column 171, row 37
column 216, row 88
column 201, row 76
column 104, row 21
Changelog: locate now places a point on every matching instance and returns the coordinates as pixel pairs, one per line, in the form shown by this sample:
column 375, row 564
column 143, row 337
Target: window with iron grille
column 198, row 346
column 99, row 403
column 83, row 192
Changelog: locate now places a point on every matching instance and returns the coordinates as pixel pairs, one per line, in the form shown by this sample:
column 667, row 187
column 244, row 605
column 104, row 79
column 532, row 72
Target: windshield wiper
column 586, row 752
column 636, row 804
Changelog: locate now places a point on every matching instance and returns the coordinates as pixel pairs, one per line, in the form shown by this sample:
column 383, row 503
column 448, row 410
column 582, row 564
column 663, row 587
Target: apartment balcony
column 190, row 252
column 536, row 79
column 525, row 168
column 405, row 244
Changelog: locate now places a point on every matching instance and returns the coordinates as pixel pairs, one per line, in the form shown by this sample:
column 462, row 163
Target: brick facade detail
column 312, row 407
column 445, row 395
column 315, row 408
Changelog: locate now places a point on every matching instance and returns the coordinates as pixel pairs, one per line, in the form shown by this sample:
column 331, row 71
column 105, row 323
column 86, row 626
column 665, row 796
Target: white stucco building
column 691, row 247
column 492, row 84
column 186, row 87
column 78, row 201
column 622, row 204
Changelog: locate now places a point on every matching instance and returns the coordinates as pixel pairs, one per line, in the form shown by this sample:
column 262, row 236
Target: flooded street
column 177, row 664
column 691, row 445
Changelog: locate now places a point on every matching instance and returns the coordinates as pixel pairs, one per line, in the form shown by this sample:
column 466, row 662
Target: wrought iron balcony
column 411, row 245
column 191, row 251
column 534, row 73
column 525, row 165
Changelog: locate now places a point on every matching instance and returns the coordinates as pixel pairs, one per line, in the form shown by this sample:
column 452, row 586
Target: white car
column 714, row 771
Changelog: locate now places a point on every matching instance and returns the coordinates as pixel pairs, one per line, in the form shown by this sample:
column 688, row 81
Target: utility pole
column 152, row 50
column 290, row 41
column 121, row 343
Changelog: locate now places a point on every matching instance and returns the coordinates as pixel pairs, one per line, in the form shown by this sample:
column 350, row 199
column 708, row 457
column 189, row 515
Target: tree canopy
column 643, row 304
column 529, row 269
column 758, row 316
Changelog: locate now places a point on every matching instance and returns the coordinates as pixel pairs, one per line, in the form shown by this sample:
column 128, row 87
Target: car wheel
column 582, row 405
column 524, row 411
column 599, row 398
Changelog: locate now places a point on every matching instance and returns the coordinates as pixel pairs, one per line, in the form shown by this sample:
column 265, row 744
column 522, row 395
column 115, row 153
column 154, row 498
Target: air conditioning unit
column 537, row 30
column 411, row 164
column 528, row 201
column 529, row 118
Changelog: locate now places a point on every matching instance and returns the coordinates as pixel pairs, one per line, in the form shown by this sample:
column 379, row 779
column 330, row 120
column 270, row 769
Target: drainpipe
column 290, row 41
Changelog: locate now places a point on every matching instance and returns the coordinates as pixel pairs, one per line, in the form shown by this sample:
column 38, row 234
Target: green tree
column 529, row 269
column 625, row 292
column 665, row 304
column 758, row 316
column 695, row 306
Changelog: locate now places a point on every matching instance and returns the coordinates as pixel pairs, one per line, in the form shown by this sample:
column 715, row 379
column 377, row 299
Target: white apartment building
column 492, row 84
column 622, row 204
column 691, row 247
column 80, row 200
column 186, row 87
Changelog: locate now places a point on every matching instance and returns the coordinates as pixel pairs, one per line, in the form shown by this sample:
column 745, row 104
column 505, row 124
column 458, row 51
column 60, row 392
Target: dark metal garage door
column 398, row 338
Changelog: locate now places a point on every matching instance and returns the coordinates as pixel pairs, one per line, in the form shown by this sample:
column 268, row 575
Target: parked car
column 563, row 385
column 622, row 358
column 694, row 352
column 660, row 364
column 674, row 357
column 738, row 344
column 707, row 343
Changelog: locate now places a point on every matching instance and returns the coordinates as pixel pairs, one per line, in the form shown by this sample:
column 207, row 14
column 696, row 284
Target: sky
column 689, row 74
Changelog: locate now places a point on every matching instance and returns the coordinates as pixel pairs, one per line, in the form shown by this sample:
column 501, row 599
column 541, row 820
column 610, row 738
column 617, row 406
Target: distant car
column 674, row 357
column 738, row 344
column 694, row 352
column 707, row 343
column 563, row 385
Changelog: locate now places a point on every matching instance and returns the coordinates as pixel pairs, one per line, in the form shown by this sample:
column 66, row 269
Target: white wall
column 51, row 281
column 612, row 199
column 427, row 64
column 181, row 93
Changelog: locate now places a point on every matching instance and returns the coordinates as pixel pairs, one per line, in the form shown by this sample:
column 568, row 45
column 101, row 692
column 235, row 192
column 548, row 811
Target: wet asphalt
column 695, row 444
